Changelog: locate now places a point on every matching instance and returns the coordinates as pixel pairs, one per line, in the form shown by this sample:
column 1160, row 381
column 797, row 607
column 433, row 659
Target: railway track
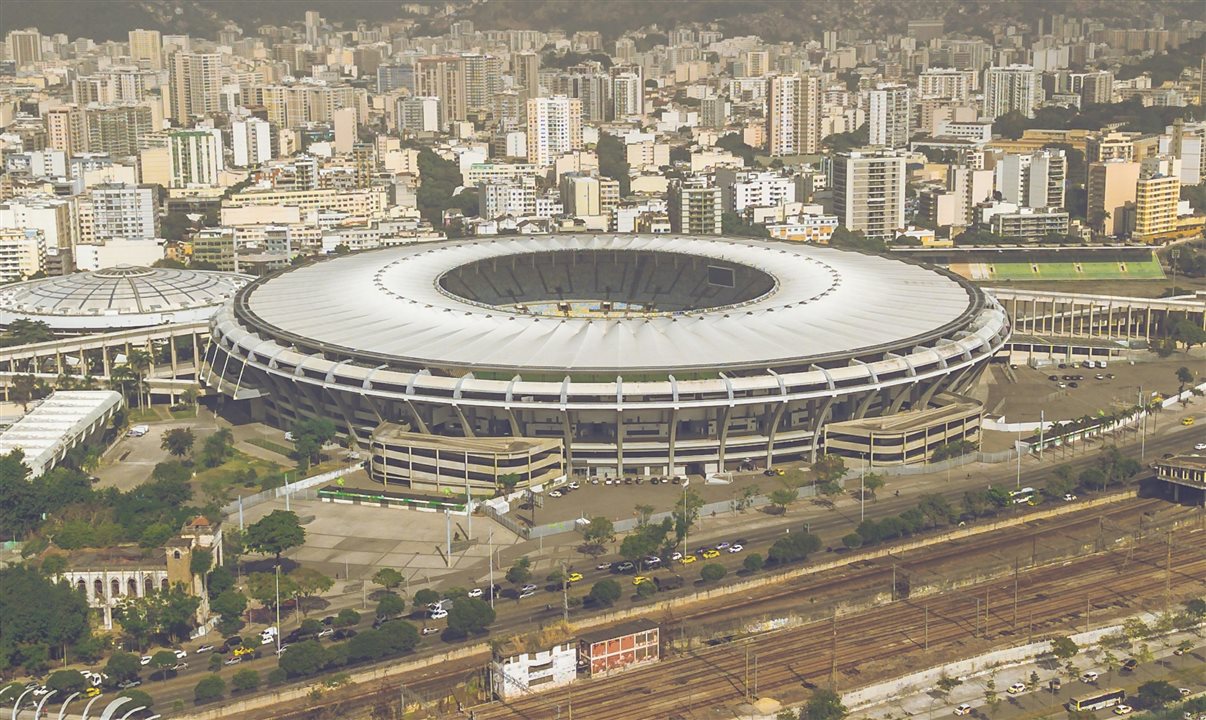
column 854, row 648
column 719, row 679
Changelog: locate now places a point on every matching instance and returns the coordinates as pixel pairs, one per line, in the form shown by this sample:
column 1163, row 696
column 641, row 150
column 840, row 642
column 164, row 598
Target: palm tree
column 122, row 379
column 190, row 396
column 140, row 361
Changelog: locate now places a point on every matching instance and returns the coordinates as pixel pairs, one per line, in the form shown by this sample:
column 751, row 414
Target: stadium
column 643, row 354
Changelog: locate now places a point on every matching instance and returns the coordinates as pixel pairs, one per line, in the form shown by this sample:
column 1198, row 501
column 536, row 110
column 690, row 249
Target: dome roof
column 119, row 297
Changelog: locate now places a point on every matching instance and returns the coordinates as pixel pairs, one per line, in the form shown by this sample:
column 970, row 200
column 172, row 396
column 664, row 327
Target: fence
column 300, row 490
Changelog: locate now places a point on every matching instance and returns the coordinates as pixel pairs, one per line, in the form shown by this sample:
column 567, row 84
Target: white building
column 945, row 83
column 418, row 114
column 793, row 115
column 979, row 131
column 525, row 673
column 22, row 253
column 251, row 140
column 123, row 211
column 1033, row 180
column 196, row 157
column 57, row 424
column 745, row 189
column 868, row 191
column 628, row 95
column 554, row 128
column 889, row 115
column 115, row 252
column 51, row 215
column 1009, row 88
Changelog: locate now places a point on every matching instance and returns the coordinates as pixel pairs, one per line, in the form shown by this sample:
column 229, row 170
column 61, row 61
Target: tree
column 599, row 531
column 793, row 547
column 245, row 679
column 425, row 597
column 66, row 682
column 22, row 390
column 217, row 448
column 1155, row 694
column 229, row 605
column 388, row 578
column 210, row 688
column 309, row 436
column 852, row 541
column 37, row 613
column 509, row 481
column 275, row 533
column 163, row 660
column 399, row 636
column 712, row 572
column 122, row 666
column 304, row 658
column 347, row 617
column 1196, row 607
column 469, row 616
column 873, row 483
column 823, row 705
column 829, row 469
column 605, row 592
column 685, row 513
column 1092, row 479
column 178, row 442
column 1064, row 648
column 520, row 572
column 752, row 562
column 139, row 361
column 613, row 160
column 137, row 698
column 390, row 606
column 263, row 587
column 309, row 582
column 990, row 692
column 646, row 590
column 782, row 497
column 1184, row 377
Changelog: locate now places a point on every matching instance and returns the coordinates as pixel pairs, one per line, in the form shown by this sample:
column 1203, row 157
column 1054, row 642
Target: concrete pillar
column 620, row 443
column 175, row 361
column 673, row 440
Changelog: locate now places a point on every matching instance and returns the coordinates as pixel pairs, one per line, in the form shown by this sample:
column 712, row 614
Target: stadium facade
column 645, row 354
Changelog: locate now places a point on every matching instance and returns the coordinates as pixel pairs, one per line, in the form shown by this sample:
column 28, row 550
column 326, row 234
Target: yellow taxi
column 241, row 651
column 573, row 577
column 640, row 579
column 92, row 692
column 688, row 559
column 1187, row 421
column 710, row 553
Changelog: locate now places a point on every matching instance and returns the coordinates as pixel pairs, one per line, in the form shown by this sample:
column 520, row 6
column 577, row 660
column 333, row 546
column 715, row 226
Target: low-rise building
column 60, row 422
column 518, row 671
column 1184, row 473
column 621, row 647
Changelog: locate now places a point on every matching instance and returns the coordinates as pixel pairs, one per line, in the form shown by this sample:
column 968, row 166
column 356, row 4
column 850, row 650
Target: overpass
column 1052, row 314
column 96, row 355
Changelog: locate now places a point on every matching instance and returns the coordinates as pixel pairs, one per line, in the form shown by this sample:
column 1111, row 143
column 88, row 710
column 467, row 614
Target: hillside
column 772, row 19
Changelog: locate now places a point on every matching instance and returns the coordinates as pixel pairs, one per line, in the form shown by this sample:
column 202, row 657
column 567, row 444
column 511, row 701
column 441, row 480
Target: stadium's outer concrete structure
column 645, row 354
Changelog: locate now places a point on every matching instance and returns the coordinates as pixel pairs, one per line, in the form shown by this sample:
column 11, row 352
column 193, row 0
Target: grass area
column 183, row 413
column 143, row 415
column 240, row 471
column 271, row 446
column 1076, row 271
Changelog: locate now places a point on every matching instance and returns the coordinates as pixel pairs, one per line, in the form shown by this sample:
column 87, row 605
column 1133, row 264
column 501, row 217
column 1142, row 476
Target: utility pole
column 1088, row 625
column 862, row 494
column 278, row 609
column 833, row 654
column 976, row 632
column 1015, row 593
column 564, row 595
column 927, row 625
column 448, row 536
column 491, row 544
column 1168, row 575
column 893, row 582
column 747, row 672
column 986, row 616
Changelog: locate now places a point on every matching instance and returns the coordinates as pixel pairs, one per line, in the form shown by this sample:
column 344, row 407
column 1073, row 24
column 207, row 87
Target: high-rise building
column 945, row 83
column 1097, row 88
column 313, row 24
column 395, row 77
column 22, row 253
column 196, row 157
column 1111, row 187
column 714, row 112
column 868, row 191
column 123, row 211
column 1157, row 194
column 889, row 115
column 695, row 208
column 525, row 67
column 628, row 95
column 443, row 76
column 66, row 129
column 116, row 130
column 146, row 46
column 483, row 78
column 24, row 46
column 554, row 128
column 757, row 63
column 343, row 121
column 50, row 215
column 418, row 114
column 1033, row 180
column 251, row 140
column 194, row 84
column 1010, row 88
column 793, row 115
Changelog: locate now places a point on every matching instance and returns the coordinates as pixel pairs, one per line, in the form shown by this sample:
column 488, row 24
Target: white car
column 526, row 594
column 676, row 556
column 180, row 666
column 963, row 709
column 528, row 588
column 204, row 649
column 652, row 561
column 1123, row 709
column 1200, row 446
column 574, row 485
column 127, row 684
column 736, row 548
column 40, row 691
column 1069, row 497
column 234, row 660
column 1089, row 677
column 474, row 593
column 1016, row 688
column 326, row 632
column 181, row 654
column 430, row 631
column 555, row 493
column 144, row 660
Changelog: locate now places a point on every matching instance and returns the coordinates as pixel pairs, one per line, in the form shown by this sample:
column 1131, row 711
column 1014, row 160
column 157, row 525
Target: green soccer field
column 1149, row 270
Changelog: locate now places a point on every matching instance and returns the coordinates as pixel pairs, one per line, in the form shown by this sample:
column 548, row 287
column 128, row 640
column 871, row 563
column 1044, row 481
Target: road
column 830, row 524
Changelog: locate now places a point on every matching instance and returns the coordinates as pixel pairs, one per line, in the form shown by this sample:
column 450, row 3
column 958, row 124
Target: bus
column 1097, row 700
column 1018, row 497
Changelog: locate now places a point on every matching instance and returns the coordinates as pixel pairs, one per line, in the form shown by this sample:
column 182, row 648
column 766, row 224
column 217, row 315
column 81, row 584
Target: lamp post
column 862, row 494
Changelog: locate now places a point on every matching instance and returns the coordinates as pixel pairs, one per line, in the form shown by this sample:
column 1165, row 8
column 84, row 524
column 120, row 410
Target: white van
column 138, row 431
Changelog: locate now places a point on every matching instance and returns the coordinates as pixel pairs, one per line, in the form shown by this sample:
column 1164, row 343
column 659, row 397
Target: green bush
column 210, row 688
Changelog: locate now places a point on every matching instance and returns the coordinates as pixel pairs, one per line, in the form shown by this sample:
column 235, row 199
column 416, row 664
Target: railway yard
column 852, row 625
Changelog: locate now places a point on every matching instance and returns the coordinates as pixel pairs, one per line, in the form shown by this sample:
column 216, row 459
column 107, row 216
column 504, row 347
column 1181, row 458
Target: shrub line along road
column 830, row 524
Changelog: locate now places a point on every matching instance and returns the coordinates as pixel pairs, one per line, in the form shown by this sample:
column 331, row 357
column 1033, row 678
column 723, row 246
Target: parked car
column 144, row 660
column 438, row 614
column 430, row 631
column 555, row 493
column 963, row 709
column 1089, row 677
column 475, row 593
column 1017, row 688
column 181, row 654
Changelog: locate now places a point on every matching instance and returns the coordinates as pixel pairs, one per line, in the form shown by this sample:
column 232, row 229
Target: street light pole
column 862, row 494
column 278, row 609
